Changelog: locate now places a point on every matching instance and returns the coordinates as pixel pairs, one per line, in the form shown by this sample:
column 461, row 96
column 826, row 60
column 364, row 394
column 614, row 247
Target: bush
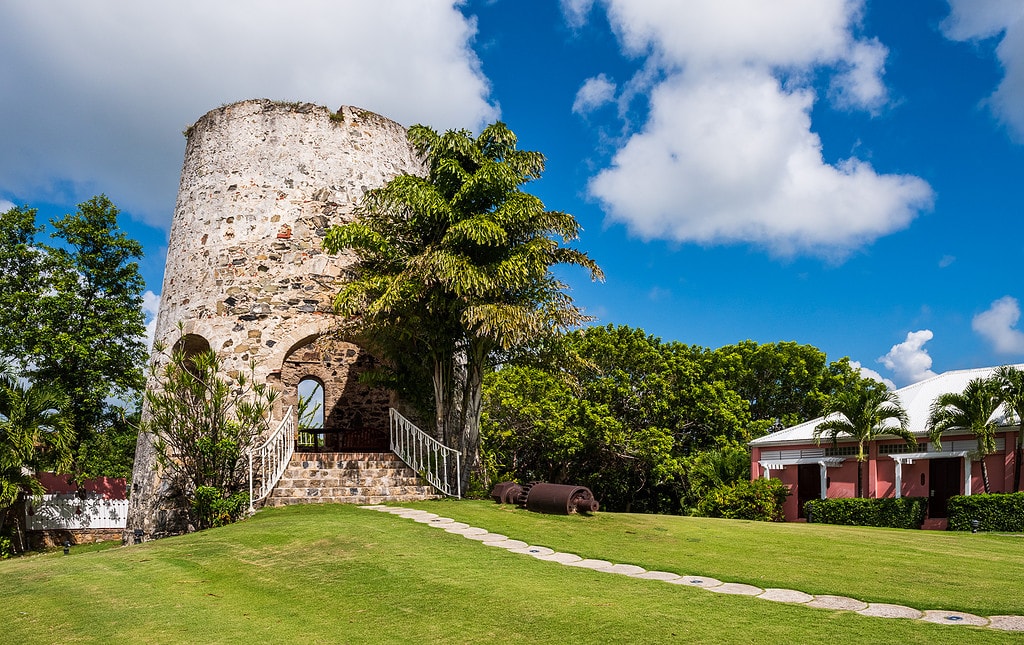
column 761, row 499
column 6, row 547
column 891, row 512
column 212, row 509
column 996, row 512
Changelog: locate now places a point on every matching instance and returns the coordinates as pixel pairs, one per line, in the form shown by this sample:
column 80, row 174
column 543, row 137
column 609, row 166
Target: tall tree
column 865, row 414
column 968, row 412
column 455, row 268
column 1010, row 381
column 87, row 323
column 20, row 278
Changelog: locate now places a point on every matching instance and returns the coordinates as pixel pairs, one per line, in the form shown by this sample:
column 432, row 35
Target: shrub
column 891, row 512
column 211, row 508
column 761, row 499
column 6, row 547
column 995, row 512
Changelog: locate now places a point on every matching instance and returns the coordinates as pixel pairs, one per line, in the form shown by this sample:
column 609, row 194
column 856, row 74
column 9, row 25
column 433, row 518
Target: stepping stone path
column 824, row 601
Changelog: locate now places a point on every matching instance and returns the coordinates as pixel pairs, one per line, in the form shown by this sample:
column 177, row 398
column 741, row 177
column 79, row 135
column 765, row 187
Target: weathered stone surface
column 246, row 275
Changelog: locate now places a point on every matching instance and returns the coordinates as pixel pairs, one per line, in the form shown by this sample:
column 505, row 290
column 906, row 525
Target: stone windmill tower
column 246, row 276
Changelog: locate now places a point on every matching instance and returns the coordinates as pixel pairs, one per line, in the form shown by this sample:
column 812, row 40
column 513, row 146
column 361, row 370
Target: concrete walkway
column 878, row 610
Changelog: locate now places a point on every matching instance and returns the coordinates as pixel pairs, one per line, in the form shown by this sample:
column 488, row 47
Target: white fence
column 69, row 512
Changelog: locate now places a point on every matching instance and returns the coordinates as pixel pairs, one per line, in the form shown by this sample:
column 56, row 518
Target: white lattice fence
column 68, row 511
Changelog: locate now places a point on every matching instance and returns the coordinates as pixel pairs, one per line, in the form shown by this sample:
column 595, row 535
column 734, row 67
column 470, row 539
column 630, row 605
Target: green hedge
column 901, row 513
column 761, row 499
column 996, row 512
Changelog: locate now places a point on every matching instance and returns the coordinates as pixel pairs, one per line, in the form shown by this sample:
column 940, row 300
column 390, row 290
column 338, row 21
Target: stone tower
column 246, row 276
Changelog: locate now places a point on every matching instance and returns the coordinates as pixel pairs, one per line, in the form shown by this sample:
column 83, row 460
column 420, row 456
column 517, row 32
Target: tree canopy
column 455, row 269
column 71, row 313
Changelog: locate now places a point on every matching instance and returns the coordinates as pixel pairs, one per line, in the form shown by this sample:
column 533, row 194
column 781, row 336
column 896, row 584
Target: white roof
column 916, row 400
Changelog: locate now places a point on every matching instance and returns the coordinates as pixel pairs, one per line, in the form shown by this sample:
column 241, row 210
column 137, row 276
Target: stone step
column 348, row 478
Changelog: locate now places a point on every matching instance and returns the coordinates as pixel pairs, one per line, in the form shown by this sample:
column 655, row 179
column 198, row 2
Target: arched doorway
column 353, row 416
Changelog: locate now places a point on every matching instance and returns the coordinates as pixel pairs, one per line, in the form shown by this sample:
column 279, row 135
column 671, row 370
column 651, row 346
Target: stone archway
column 355, row 415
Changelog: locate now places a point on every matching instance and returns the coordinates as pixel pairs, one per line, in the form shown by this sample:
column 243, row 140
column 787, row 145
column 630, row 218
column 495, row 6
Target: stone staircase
column 348, row 478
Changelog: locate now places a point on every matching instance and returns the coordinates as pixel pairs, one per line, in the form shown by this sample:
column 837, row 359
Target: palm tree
column 33, row 431
column 970, row 412
column 455, row 268
column 1010, row 382
column 865, row 414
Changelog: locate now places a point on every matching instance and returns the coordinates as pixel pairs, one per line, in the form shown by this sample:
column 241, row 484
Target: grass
column 338, row 574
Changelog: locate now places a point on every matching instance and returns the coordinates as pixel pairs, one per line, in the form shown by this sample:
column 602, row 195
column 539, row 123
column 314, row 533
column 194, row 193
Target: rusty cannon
column 540, row 497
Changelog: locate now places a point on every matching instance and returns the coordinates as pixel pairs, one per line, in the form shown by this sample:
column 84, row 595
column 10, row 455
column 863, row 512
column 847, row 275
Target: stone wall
column 260, row 185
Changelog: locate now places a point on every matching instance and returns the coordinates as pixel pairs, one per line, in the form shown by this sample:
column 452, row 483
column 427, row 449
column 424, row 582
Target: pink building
column 893, row 468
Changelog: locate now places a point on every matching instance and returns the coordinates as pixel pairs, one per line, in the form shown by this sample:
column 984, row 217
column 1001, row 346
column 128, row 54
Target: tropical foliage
column 455, row 270
column 647, row 425
column 204, row 425
column 968, row 412
column 33, row 435
column 71, row 315
column 864, row 415
column 1010, row 381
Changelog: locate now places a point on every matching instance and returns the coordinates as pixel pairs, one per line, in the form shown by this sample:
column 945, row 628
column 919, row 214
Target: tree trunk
column 1018, row 453
column 984, row 475
column 860, row 479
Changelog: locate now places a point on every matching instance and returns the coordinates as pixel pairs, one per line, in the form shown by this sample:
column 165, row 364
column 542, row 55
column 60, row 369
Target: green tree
column 865, row 415
column 20, row 278
column 204, row 426
column 1010, row 381
column 33, row 435
column 71, row 313
column 785, row 383
column 455, row 270
column 968, row 412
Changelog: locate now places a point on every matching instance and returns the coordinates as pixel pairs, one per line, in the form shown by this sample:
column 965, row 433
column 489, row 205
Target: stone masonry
column 246, row 275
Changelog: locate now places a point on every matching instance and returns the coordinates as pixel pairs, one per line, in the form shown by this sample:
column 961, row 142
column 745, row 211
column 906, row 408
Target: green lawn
column 338, row 574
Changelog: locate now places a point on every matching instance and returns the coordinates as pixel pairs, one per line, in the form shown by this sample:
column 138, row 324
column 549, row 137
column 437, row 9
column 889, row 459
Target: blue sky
column 834, row 172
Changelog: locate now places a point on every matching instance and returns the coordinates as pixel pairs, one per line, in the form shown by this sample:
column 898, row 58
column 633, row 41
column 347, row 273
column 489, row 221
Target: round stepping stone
column 885, row 610
column 657, row 575
column 535, row 551
column 486, row 537
column 590, row 564
column 508, row 544
column 1009, row 623
column 454, row 525
column 623, row 569
column 373, row 507
column 737, row 589
column 440, row 522
column 943, row 617
column 561, row 558
column 696, row 581
column 395, row 509
column 786, row 595
column 837, row 602
column 466, row 530
column 424, row 519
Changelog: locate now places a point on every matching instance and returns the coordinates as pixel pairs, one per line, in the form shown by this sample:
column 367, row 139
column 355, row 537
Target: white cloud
column 866, row 372
column 105, row 88
column 728, row 153
column 998, row 325
column 946, row 260
column 909, row 360
column 5, row 205
column 1004, row 19
column 575, row 11
column 150, row 308
column 594, row 93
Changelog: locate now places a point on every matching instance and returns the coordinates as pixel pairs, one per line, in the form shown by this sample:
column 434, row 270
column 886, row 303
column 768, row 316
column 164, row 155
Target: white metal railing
column 426, row 455
column 271, row 459
column 70, row 512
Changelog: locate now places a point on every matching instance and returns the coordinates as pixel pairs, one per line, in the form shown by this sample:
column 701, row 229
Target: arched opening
column 310, row 413
column 353, row 415
column 189, row 346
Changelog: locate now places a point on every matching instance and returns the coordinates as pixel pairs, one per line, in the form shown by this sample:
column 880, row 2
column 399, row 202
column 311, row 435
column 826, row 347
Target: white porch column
column 967, row 475
column 766, row 472
column 899, row 478
column 823, row 470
